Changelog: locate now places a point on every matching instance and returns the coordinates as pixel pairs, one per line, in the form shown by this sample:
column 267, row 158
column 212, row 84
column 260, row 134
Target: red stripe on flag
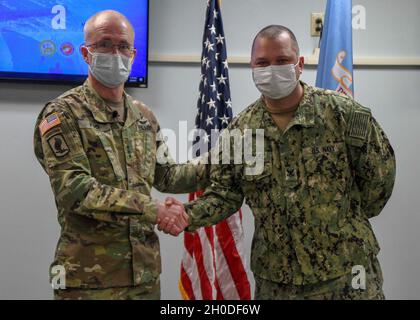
column 186, row 284
column 206, row 288
column 233, row 259
column 189, row 242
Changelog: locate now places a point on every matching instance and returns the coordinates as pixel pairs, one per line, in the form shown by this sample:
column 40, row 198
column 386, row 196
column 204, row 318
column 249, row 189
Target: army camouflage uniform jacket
column 329, row 172
column 101, row 173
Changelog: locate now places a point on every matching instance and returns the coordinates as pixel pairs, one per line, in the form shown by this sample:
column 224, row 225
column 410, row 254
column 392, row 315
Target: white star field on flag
column 214, row 103
column 213, row 266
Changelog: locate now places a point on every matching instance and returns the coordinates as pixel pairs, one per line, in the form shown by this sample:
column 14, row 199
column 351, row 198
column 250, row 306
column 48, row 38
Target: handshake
column 171, row 217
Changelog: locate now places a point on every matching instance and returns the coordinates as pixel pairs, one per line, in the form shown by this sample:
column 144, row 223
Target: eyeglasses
column 106, row 46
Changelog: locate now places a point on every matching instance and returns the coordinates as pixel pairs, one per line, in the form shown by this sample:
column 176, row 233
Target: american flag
column 49, row 123
column 213, row 264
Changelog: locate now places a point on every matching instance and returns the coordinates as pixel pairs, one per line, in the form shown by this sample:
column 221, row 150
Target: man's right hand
column 171, row 217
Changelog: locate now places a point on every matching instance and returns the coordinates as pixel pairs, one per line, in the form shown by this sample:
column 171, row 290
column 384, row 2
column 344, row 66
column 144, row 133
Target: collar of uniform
column 133, row 113
column 266, row 122
column 304, row 114
column 98, row 106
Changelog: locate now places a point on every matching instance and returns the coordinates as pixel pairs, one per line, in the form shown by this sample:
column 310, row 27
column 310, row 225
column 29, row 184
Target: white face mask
column 111, row 70
column 275, row 82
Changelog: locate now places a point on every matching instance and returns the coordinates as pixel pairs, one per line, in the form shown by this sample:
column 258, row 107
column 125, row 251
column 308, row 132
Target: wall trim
column 309, row 60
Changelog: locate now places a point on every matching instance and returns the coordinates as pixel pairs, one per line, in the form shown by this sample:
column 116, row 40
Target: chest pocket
column 257, row 182
column 144, row 149
column 100, row 146
column 327, row 176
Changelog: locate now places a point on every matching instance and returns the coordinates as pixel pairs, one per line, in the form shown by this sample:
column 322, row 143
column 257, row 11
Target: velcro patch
column 144, row 125
column 58, row 145
column 48, row 123
column 359, row 124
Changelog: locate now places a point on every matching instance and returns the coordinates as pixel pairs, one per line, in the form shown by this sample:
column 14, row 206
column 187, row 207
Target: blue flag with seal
column 335, row 66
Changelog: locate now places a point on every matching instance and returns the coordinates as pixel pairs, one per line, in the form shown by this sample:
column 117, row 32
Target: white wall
column 28, row 226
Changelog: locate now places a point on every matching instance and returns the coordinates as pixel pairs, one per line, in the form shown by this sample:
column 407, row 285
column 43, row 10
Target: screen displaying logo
column 50, row 32
column 67, row 49
column 47, row 47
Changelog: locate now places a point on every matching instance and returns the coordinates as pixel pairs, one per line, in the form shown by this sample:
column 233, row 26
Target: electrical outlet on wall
column 316, row 19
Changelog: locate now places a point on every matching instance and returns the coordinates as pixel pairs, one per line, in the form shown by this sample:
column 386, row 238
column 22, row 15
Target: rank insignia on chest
column 291, row 174
column 58, row 145
column 144, row 126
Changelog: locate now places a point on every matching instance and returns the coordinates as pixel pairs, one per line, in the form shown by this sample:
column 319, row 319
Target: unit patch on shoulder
column 48, row 123
column 58, row 145
column 359, row 124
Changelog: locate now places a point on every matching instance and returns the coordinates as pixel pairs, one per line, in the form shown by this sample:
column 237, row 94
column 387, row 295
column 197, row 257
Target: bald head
column 108, row 22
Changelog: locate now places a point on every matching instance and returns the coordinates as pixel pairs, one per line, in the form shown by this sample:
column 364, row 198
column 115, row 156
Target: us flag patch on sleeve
column 359, row 125
column 48, row 123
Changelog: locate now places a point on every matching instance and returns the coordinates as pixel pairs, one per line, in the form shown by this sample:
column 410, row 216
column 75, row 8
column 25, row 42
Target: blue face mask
column 111, row 70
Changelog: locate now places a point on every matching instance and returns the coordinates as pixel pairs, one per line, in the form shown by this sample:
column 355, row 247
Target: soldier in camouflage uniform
column 101, row 157
column 328, row 169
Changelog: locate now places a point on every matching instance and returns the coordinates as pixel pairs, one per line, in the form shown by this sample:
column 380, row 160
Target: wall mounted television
column 40, row 39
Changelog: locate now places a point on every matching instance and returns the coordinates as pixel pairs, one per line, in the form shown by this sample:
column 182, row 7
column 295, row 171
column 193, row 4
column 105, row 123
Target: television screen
column 40, row 39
